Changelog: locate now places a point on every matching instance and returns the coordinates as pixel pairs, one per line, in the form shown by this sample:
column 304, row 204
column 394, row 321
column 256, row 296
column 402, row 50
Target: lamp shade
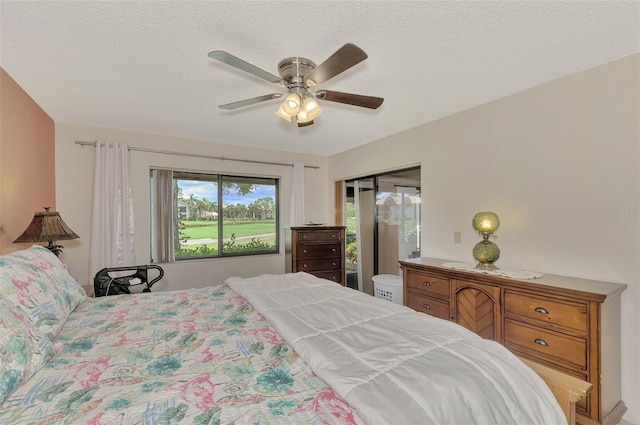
column 291, row 104
column 282, row 114
column 309, row 111
column 47, row 227
column 486, row 222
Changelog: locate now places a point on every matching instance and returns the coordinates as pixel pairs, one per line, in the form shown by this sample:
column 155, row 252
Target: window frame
column 220, row 179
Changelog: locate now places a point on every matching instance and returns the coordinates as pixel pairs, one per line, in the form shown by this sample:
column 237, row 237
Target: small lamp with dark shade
column 47, row 227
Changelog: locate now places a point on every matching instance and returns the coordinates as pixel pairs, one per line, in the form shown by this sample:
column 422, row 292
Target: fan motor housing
column 293, row 70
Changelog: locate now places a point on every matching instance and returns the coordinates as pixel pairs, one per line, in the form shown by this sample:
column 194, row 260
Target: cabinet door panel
column 477, row 308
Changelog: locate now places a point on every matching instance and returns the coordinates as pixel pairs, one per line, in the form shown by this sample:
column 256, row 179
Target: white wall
column 74, row 179
column 559, row 164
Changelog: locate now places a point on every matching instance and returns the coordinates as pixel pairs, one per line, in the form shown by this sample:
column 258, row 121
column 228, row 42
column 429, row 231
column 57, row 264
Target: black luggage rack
column 114, row 280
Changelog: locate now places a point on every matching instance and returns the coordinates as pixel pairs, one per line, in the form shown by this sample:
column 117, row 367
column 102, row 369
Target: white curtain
column 296, row 216
column 112, row 239
column 163, row 221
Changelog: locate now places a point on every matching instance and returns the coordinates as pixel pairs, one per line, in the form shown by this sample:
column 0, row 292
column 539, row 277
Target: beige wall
column 559, row 164
column 27, row 164
column 74, row 178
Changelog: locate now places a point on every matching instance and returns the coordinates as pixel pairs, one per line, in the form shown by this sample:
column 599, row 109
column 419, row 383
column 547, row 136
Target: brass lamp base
column 486, row 266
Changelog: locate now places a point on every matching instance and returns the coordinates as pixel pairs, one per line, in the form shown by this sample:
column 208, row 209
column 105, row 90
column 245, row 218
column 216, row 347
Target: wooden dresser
column 569, row 324
column 318, row 250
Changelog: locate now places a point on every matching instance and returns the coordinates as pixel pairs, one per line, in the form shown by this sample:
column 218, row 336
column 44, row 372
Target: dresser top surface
column 601, row 289
column 316, row 227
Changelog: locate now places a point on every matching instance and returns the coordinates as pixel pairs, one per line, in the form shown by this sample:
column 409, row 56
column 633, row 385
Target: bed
column 272, row 349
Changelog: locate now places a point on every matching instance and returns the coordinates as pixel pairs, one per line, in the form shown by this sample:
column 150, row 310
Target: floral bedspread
column 202, row 356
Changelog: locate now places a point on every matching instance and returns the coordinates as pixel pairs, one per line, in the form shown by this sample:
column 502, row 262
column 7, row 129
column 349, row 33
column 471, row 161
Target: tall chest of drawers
column 318, row 250
column 569, row 324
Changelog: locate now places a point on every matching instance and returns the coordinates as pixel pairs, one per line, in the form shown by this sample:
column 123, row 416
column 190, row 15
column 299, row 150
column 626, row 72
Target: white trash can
column 388, row 287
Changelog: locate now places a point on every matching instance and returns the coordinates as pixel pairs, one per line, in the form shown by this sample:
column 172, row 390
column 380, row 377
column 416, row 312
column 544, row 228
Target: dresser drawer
column 317, row 264
column 547, row 312
column 328, row 235
column 564, row 348
column 428, row 305
column 318, row 251
column 428, row 283
column 335, row 276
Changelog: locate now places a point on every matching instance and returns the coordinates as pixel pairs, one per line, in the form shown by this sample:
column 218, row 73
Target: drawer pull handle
column 333, row 264
column 304, row 265
column 304, row 250
column 426, row 283
column 426, row 306
column 304, row 236
column 541, row 341
column 541, row 310
column 333, row 250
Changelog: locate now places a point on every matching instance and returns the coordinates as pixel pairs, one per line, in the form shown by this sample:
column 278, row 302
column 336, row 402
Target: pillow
column 38, row 287
column 37, row 294
column 70, row 292
column 22, row 350
column 31, row 296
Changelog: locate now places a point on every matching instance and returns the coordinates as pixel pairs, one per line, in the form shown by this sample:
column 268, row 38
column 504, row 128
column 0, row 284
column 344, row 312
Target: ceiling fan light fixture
column 303, row 117
column 291, row 104
column 297, row 74
column 310, row 108
column 282, row 114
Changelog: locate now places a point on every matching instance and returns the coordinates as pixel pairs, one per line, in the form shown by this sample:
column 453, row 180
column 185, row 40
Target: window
column 212, row 215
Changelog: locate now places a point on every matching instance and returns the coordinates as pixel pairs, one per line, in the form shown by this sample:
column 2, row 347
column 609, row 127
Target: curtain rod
column 221, row 158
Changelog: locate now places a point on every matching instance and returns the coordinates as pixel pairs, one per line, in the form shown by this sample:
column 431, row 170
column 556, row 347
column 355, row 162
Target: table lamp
column 485, row 251
column 47, row 227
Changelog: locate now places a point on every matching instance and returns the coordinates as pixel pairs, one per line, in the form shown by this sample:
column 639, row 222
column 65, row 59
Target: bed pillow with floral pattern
column 37, row 294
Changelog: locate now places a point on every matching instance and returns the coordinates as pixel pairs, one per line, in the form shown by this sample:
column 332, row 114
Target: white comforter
column 396, row 366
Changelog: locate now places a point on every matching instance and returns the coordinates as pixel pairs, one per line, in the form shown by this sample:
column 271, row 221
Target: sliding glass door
column 398, row 219
column 360, row 198
column 383, row 225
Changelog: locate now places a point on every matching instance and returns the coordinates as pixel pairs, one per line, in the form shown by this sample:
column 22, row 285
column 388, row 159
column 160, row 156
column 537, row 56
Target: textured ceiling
column 143, row 66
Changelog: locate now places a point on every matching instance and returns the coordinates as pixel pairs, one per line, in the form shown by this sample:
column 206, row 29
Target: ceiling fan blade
column 350, row 99
column 343, row 59
column 247, row 102
column 236, row 62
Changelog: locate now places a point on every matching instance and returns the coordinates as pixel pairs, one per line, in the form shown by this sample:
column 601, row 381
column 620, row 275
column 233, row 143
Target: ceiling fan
column 298, row 75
